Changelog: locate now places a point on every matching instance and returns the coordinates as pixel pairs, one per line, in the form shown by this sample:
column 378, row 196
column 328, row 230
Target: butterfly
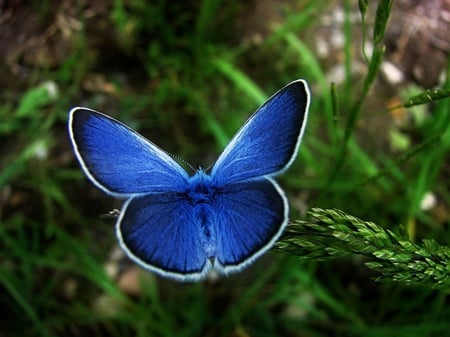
column 182, row 226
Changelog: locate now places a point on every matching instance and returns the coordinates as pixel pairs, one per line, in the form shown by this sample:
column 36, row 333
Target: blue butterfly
column 182, row 226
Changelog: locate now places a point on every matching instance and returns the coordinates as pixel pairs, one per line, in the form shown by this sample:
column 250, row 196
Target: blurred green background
column 187, row 74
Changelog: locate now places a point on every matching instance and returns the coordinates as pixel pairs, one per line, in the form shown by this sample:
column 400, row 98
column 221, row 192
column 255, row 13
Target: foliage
column 334, row 234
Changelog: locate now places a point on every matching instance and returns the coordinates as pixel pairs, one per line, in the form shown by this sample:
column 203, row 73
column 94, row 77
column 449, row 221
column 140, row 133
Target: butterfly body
column 201, row 195
column 181, row 226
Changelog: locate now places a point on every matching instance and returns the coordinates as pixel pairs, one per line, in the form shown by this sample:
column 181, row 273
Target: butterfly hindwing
column 268, row 142
column 119, row 160
column 160, row 233
column 249, row 216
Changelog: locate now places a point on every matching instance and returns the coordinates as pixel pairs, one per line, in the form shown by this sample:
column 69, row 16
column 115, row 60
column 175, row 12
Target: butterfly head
column 201, row 189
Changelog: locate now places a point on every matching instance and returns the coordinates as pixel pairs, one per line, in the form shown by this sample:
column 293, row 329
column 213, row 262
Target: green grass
column 184, row 75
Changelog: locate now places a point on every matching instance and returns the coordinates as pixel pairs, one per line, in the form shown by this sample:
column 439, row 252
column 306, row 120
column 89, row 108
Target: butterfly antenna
column 181, row 160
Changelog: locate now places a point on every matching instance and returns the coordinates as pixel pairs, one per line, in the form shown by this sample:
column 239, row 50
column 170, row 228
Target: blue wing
column 249, row 216
column 161, row 233
column 120, row 161
column 268, row 142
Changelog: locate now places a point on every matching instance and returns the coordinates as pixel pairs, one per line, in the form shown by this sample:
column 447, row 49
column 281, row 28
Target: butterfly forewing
column 119, row 160
column 268, row 142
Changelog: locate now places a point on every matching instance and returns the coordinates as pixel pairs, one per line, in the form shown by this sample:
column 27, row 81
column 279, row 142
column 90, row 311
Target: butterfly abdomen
column 201, row 196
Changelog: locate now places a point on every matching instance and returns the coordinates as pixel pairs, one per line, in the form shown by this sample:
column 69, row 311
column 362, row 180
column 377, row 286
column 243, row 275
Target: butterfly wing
column 249, row 216
column 161, row 233
column 251, row 210
column 120, row 161
column 268, row 142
